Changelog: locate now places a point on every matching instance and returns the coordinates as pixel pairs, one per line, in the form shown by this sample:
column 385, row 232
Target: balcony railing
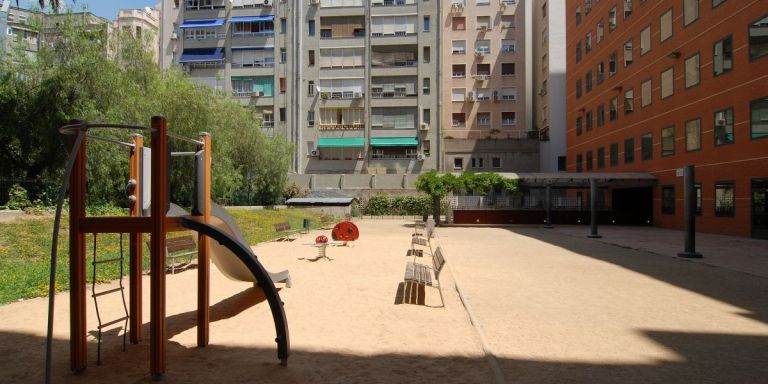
column 400, row 156
column 396, row 33
column 267, row 124
column 332, row 126
column 249, row 94
column 195, row 5
column 256, row 64
column 343, row 95
column 481, row 76
column 211, row 36
column 404, row 63
column 391, row 94
column 458, row 75
column 390, row 3
column 253, row 34
column 328, row 35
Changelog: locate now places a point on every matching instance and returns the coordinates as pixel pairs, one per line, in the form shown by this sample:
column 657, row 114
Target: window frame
column 646, row 154
column 696, row 55
column 714, row 49
column 751, row 115
column 685, row 129
column 650, row 44
column 614, row 154
column 732, row 211
column 671, row 27
column 661, row 83
column 733, row 130
column 629, row 155
column 749, row 45
column 663, row 153
column 698, row 13
column 666, row 207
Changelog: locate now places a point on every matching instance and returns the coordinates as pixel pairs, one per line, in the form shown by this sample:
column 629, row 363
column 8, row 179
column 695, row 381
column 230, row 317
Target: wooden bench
column 428, row 228
column 284, row 231
column 418, row 276
column 178, row 248
column 415, row 240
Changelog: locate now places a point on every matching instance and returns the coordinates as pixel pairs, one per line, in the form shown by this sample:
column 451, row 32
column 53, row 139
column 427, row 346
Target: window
column 311, row 27
column 629, row 151
column 578, row 15
column 579, row 160
column 458, row 119
column 612, row 64
column 484, row 118
column 645, row 40
column 561, row 162
column 282, row 114
column 311, row 118
column 646, row 146
column 283, row 55
column 629, row 101
column 283, row 25
column 693, row 135
column 458, row 163
column 507, row 21
column 627, row 8
column 507, row 69
column 483, row 47
column 614, row 154
column 725, row 199
column 459, row 47
column 589, row 160
column 508, row 118
column 579, row 123
column 600, row 115
column 459, row 70
column 310, row 88
column 601, row 158
column 612, row 19
column 458, row 23
column 311, row 58
column 722, row 56
column 715, row 3
column 578, row 51
column 645, row 93
column 426, row 116
column 759, row 118
column 628, row 53
column 508, row 45
column 589, row 120
column 613, row 112
column 578, row 88
column 668, row 199
column 425, row 89
column 495, row 162
column 426, row 23
column 589, row 81
column 600, row 73
column 692, row 76
column 724, row 127
column 600, row 31
column 587, row 6
column 667, row 84
column 483, row 94
column 476, row 162
column 668, row 141
column 758, row 39
column 509, row 93
column 588, row 43
column 427, row 53
column 665, row 26
column 282, row 85
column 483, row 22
column 690, row 11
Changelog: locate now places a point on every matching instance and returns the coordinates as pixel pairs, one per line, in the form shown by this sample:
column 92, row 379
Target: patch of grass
column 25, row 249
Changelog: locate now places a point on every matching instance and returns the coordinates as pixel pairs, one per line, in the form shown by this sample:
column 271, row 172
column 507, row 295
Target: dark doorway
column 633, row 206
column 760, row 208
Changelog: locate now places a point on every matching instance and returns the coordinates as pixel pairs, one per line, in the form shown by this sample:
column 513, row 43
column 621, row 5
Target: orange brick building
column 653, row 86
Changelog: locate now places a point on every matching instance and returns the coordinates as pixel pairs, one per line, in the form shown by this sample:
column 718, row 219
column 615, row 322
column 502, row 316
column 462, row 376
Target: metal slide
column 261, row 275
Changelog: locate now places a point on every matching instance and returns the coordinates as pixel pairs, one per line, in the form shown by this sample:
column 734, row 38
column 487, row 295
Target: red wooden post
column 77, row 190
column 157, row 248
column 203, row 249
column 135, row 241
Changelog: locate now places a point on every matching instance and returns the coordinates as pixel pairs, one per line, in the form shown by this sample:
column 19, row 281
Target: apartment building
column 653, row 86
column 20, row 31
column 351, row 83
column 143, row 24
column 549, row 82
column 485, row 113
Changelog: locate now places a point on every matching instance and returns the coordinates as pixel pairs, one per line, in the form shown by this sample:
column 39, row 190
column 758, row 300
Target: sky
column 104, row 8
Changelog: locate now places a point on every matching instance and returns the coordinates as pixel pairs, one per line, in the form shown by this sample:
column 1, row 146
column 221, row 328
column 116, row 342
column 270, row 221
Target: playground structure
column 230, row 252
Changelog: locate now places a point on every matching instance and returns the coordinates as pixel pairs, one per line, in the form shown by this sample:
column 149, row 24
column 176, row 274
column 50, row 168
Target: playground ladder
column 96, row 295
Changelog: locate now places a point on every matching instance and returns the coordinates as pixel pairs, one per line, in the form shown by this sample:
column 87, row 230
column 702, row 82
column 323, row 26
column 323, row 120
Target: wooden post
column 157, row 248
column 135, row 240
column 77, row 189
column 203, row 248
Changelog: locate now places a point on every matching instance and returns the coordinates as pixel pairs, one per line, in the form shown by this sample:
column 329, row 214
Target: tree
column 437, row 187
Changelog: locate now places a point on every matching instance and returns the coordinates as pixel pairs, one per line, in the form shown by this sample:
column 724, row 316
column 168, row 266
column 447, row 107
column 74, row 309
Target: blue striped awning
column 209, row 23
column 202, row 54
column 250, row 19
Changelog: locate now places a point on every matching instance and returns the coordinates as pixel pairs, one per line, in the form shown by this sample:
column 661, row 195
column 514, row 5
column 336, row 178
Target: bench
column 178, row 248
column 418, row 276
column 415, row 240
column 428, row 227
column 284, row 231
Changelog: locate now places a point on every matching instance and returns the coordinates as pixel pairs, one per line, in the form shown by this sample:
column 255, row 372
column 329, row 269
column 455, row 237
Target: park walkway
column 554, row 306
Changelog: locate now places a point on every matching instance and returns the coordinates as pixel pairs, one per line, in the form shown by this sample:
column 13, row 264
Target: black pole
column 548, row 205
column 689, row 213
column 593, row 209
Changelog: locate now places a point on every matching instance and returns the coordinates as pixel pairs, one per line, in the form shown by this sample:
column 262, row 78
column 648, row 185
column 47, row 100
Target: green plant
column 18, row 198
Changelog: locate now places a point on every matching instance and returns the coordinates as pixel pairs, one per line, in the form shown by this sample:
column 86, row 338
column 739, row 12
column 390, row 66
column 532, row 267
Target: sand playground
column 522, row 305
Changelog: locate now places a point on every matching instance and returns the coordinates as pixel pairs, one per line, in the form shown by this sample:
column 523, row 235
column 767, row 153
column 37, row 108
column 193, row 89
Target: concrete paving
column 556, row 307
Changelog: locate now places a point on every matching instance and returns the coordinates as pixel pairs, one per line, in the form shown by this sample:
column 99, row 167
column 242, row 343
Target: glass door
column 760, row 208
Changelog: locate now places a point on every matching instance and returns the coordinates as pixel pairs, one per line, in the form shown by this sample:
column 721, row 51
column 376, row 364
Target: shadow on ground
column 735, row 288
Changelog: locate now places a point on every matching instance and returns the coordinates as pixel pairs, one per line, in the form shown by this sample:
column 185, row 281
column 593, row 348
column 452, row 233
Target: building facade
column 351, row 83
column 20, row 31
column 486, row 118
column 653, row 86
column 143, row 24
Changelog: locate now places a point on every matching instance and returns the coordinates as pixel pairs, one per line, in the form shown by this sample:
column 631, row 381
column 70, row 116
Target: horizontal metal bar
column 178, row 154
column 113, row 290
column 184, row 138
column 113, row 322
column 108, row 140
column 107, row 260
column 70, row 128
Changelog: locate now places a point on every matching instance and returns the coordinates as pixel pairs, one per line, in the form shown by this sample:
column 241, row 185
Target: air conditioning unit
column 174, row 36
column 424, row 127
column 314, row 2
column 314, row 153
column 358, row 95
column 479, row 53
column 420, row 157
column 470, row 96
column 720, row 122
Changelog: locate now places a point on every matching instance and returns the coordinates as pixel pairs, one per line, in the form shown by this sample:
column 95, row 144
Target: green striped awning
column 394, row 142
column 341, row 142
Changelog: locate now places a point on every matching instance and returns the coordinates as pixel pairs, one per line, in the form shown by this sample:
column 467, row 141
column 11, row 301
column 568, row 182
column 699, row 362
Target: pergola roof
column 567, row 179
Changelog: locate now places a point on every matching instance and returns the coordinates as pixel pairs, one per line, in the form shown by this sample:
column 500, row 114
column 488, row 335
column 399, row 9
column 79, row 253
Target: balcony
column 266, row 63
column 457, row 6
column 481, row 76
column 344, row 95
column 343, row 126
column 327, row 34
column 391, row 3
column 203, row 5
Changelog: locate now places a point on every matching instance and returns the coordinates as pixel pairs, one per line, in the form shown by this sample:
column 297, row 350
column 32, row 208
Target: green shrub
column 398, row 205
column 18, row 198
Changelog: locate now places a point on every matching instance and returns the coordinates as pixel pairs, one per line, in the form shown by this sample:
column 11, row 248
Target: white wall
column 556, row 146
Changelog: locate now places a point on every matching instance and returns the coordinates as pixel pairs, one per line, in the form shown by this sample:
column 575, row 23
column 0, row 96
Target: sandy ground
column 550, row 309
